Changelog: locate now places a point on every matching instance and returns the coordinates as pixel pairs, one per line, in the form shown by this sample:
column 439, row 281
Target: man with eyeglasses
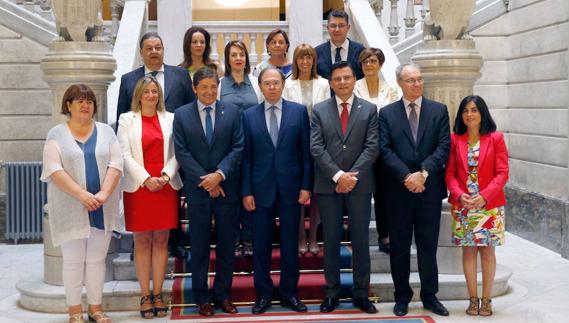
column 175, row 81
column 343, row 143
column 276, row 180
column 414, row 143
column 339, row 47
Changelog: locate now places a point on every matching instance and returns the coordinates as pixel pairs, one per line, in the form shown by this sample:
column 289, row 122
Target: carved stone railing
column 252, row 33
column 40, row 7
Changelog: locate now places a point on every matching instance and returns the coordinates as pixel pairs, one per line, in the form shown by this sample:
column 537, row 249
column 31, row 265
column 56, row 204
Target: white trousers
column 84, row 263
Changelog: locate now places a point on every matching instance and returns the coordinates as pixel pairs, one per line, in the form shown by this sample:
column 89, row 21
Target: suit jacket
column 492, row 168
column 286, row 167
column 354, row 152
column 387, row 94
column 130, row 138
column 401, row 155
column 177, row 88
column 324, row 64
column 320, row 91
column 197, row 158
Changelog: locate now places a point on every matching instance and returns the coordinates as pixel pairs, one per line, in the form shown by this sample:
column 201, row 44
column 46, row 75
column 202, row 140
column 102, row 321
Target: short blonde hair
column 139, row 89
column 299, row 52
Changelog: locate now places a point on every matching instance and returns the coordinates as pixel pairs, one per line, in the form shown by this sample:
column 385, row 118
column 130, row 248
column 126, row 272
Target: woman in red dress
column 150, row 185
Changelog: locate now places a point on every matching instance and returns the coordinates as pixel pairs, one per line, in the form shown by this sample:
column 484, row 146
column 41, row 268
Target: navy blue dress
column 92, row 178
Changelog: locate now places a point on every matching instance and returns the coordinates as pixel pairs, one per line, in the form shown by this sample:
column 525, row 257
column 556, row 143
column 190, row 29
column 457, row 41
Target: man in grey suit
column 343, row 143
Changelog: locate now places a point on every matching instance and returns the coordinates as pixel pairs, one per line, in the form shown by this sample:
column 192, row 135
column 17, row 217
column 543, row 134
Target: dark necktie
column 273, row 126
column 208, row 125
column 154, row 73
column 338, row 56
column 344, row 117
column 413, row 120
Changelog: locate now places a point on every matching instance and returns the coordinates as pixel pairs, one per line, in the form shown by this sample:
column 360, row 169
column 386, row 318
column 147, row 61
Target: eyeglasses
column 270, row 83
column 337, row 26
column 370, row 61
column 413, row 81
column 345, row 78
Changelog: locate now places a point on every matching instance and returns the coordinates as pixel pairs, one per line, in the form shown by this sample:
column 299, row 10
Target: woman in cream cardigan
column 150, row 185
column 307, row 88
column 82, row 165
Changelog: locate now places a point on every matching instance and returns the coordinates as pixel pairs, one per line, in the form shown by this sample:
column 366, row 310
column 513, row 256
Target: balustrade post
column 226, row 38
column 265, row 54
column 240, row 36
column 377, row 6
column 393, row 23
column 410, row 19
column 45, row 6
column 425, row 9
column 214, row 54
column 253, row 49
column 115, row 8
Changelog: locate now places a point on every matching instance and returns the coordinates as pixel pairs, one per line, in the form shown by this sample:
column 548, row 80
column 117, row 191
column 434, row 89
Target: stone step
column 38, row 296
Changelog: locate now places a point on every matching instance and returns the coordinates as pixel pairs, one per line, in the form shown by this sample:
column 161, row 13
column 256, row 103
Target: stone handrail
column 253, row 33
column 26, row 21
column 133, row 26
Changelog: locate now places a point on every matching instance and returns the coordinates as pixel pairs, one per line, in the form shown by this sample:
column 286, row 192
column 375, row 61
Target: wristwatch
column 165, row 177
column 425, row 173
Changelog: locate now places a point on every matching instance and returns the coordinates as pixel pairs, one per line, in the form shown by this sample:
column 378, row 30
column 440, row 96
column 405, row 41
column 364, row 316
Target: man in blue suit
column 339, row 47
column 175, row 81
column 208, row 141
column 277, row 180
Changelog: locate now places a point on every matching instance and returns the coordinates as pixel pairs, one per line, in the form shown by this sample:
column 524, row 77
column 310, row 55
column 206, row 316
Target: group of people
column 323, row 130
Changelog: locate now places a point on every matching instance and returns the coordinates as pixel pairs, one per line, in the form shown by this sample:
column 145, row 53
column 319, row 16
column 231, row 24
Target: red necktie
column 344, row 117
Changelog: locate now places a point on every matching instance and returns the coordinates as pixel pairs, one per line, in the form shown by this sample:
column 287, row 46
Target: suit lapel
column 262, row 122
column 463, row 150
column 484, row 145
column 402, row 114
column 137, row 128
column 196, row 117
column 335, row 117
column 328, row 55
column 165, row 130
column 354, row 112
column 424, row 119
column 284, row 122
column 168, row 81
column 219, row 112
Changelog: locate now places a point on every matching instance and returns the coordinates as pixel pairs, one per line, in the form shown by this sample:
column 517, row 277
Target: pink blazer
column 492, row 168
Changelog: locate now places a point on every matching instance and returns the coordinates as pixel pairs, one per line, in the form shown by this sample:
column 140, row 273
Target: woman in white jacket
column 307, row 88
column 150, row 185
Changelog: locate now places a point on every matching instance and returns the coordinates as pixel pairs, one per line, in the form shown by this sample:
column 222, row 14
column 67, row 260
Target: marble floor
column 539, row 288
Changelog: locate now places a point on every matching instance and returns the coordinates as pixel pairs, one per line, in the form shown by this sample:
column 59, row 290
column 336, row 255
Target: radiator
column 25, row 197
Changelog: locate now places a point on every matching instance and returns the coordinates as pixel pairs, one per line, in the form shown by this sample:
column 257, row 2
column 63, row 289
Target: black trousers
column 423, row 219
column 200, row 216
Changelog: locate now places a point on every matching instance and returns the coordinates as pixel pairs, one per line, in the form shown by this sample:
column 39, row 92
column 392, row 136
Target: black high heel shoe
column 149, row 312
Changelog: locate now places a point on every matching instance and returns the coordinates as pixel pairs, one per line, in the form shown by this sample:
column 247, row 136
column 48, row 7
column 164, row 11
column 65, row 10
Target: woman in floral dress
column 477, row 171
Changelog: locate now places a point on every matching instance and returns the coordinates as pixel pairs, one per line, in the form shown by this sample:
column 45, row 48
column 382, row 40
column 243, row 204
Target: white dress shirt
column 417, row 107
column 203, row 114
column 159, row 77
column 343, row 52
column 339, row 102
column 278, row 112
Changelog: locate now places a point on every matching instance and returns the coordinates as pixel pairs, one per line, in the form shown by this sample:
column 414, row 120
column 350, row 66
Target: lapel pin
column 359, row 106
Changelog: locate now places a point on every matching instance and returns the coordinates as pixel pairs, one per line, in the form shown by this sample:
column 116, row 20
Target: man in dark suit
column 208, row 141
column 339, row 47
column 414, row 143
column 343, row 143
column 175, row 81
column 277, row 180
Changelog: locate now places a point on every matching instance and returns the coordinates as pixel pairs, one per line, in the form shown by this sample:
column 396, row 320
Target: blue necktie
column 274, row 126
column 154, row 73
column 338, row 56
column 413, row 120
column 208, row 125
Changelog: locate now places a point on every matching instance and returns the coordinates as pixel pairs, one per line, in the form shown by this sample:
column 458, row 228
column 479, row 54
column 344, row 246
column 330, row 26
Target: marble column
column 304, row 23
column 67, row 63
column 71, row 62
column 174, row 18
column 450, row 68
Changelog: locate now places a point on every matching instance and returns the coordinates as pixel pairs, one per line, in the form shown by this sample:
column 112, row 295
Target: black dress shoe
column 261, row 306
column 294, row 304
column 384, row 247
column 436, row 307
column 400, row 309
column 364, row 304
column 329, row 304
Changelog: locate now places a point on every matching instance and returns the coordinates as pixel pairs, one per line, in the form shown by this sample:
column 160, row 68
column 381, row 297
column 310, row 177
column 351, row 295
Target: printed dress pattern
column 477, row 227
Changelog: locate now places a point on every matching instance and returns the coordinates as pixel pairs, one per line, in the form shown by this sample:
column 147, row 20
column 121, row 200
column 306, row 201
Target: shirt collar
column 279, row 105
column 350, row 101
column 417, row 102
column 246, row 80
column 344, row 45
column 148, row 71
column 202, row 106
